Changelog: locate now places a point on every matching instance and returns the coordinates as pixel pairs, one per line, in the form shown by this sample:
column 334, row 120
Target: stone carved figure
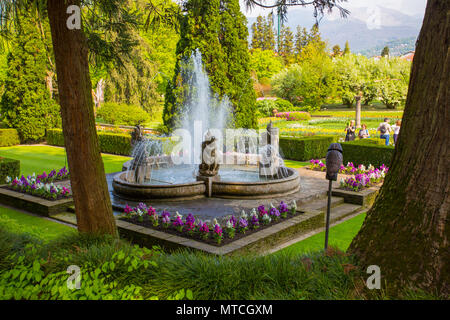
column 137, row 135
column 210, row 164
column 334, row 161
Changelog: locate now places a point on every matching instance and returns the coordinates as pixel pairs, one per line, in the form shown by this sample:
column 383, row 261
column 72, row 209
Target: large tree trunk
column 406, row 231
column 87, row 176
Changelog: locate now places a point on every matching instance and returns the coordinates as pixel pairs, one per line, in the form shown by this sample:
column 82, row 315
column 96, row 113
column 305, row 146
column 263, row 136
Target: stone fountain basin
column 265, row 188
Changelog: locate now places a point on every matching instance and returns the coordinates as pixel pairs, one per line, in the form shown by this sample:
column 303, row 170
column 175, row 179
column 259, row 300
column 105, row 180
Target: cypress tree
column 26, row 104
column 287, row 45
column 347, row 48
column 218, row 29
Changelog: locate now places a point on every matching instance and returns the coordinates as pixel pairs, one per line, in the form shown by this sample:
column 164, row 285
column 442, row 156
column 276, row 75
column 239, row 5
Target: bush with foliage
column 122, row 114
column 303, row 149
column 8, row 168
column 265, row 63
column 367, row 152
column 26, row 104
column 267, row 106
column 115, row 143
column 9, row 137
column 294, row 116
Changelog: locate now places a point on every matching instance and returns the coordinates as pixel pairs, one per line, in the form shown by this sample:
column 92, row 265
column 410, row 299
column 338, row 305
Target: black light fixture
column 333, row 163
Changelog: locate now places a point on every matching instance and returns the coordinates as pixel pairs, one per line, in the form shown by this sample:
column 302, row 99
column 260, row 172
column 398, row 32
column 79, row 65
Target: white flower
column 266, row 217
column 253, row 212
column 229, row 224
column 8, row 179
column 177, row 214
column 371, row 167
column 215, row 222
column 244, row 215
column 140, row 213
column 342, row 181
column 294, row 204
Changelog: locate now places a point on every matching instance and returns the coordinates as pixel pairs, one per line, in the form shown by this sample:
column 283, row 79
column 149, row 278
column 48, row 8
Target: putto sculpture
column 137, row 135
column 210, row 164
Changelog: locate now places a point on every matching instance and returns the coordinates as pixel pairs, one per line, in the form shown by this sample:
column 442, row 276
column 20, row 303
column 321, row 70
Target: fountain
column 244, row 165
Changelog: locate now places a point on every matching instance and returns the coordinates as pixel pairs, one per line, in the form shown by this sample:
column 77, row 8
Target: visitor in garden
column 396, row 128
column 385, row 129
column 363, row 132
column 350, row 129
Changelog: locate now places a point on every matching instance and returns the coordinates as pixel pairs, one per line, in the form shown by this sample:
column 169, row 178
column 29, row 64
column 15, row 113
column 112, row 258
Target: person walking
column 350, row 129
column 385, row 129
column 396, row 128
column 363, row 132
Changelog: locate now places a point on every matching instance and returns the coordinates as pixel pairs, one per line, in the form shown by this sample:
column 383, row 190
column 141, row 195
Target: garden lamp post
column 333, row 163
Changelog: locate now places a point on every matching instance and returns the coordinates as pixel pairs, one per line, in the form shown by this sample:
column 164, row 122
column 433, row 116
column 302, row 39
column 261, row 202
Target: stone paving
column 313, row 185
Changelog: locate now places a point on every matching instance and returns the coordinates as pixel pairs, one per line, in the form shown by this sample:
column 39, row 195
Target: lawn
column 46, row 230
column 340, row 236
column 46, row 158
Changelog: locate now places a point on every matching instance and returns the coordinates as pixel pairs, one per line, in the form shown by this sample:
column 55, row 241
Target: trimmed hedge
column 8, row 168
column 307, row 148
column 115, row 143
column 9, row 137
column 367, row 151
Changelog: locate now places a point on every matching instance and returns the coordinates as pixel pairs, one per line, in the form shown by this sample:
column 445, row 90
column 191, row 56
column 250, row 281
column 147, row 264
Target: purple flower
column 218, row 230
column 274, row 212
column 190, row 218
column 151, row 211
column 283, row 207
column 254, row 221
column 243, row 223
column 178, row 222
column 233, row 220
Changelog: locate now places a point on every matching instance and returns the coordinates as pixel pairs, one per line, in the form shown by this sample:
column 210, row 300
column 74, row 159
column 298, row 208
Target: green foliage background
column 221, row 37
column 26, row 104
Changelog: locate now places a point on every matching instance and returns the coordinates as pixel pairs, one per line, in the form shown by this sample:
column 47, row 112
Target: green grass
column 46, row 230
column 46, row 158
column 340, row 236
column 295, row 164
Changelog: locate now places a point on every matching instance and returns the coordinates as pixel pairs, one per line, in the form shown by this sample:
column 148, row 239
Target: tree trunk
column 87, row 175
column 406, row 231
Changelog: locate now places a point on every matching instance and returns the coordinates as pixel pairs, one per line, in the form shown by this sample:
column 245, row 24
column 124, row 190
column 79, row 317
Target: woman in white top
column 396, row 128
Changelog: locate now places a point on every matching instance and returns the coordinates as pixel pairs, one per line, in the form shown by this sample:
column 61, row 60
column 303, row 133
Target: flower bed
column 294, row 115
column 215, row 233
column 42, row 185
column 363, row 177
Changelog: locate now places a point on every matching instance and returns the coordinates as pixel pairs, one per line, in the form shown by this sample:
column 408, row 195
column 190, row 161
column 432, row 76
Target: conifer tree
column 347, row 48
column 218, row 29
column 301, row 40
column 258, row 33
column 336, row 51
column 385, row 52
column 287, row 45
column 26, row 104
column 269, row 35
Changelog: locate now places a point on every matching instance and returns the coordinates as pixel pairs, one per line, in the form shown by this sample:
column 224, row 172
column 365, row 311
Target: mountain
column 365, row 28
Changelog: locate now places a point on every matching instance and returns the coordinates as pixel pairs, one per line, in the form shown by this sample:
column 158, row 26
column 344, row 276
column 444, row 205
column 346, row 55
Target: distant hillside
column 396, row 47
column 395, row 26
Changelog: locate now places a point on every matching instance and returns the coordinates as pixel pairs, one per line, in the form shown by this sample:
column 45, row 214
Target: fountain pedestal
column 269, row 162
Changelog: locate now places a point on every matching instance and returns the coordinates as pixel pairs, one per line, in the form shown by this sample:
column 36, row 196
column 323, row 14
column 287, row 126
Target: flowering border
column 42, row 185
column 210, row 232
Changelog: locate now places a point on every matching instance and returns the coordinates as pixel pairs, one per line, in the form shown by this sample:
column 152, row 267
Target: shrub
column 123, row 114
column 265, row 107
column 283, row 105
column 115, row 143
column 366, row 152
column 8, row 168
column 9, row 137
column 307, row 148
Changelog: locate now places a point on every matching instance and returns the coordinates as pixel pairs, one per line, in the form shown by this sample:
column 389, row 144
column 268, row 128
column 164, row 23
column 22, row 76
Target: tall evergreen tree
column 385, row 52
column 301, row 40
column 287, row 45
column 347, row 48
column 218, row 29
column 269, row 35
column 26, row 104
column 258, row 33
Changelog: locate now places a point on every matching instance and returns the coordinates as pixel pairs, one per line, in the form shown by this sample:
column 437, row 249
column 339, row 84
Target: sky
column 409, row 7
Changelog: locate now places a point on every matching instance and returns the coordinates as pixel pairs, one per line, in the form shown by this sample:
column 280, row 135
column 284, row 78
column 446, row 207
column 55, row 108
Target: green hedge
column 8, row 168
column 115, row 143
column 367, row 151
column 9, row 137
column 307, row 148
